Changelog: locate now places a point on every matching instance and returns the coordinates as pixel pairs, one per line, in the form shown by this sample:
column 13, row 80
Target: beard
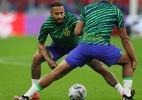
column 59, row 21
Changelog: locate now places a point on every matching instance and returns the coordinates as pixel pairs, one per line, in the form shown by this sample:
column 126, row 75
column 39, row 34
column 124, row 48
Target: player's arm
column 41, row 40
column 44, row 51
column 52, row 64
column 79, row 28
column 127, row 45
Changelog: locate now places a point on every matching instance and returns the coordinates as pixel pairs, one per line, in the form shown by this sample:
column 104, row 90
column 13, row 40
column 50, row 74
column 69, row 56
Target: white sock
column 34, row 89
column 119, row 88
column 34, row 81
column 127, row 86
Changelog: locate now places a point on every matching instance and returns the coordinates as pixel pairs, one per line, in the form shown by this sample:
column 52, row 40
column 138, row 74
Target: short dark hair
column 56, row 3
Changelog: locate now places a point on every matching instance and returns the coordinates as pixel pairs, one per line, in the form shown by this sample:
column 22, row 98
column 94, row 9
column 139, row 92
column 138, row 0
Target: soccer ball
column 77, row 92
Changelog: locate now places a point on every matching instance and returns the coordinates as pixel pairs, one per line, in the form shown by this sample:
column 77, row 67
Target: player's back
column 100, row 19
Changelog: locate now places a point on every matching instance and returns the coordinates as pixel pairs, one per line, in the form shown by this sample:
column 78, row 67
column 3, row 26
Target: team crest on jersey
column 66, row 31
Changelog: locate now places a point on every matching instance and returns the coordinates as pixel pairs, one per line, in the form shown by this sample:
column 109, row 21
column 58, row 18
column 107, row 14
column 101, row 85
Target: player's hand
column 52, row 64
column 134, row 64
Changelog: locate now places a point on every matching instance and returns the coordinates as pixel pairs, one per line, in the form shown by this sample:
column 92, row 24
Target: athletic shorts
column 57, row 51
column 83, row 53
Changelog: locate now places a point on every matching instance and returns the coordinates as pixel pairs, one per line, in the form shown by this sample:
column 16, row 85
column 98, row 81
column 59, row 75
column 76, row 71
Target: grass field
column 15, row 78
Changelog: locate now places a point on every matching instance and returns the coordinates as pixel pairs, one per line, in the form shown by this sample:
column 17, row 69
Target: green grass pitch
column 15, row 78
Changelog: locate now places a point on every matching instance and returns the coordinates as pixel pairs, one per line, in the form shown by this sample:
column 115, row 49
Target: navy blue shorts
column 57, row 51
column 83, row 53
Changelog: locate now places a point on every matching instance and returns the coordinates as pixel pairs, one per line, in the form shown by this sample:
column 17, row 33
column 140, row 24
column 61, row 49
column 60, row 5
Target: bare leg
column 127, row 73
column 107, row 75
column 60, row 71
column 36, row 65
column 126, row 63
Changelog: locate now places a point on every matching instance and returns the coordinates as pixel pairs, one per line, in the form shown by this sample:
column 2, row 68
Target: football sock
column 127, row 81
column 119, row 88
column 34, row 81
column 34, row 89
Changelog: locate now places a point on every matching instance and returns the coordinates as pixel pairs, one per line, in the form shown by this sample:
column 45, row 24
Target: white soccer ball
column 77, row 92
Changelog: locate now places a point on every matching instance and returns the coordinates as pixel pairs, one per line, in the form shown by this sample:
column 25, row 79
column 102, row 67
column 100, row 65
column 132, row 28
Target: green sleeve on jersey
column 120, row 19
column 82, row 15
column 44, row 31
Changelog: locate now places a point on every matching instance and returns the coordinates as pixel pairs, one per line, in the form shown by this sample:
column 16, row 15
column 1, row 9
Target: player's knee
column 125, row 59
column 38, row 58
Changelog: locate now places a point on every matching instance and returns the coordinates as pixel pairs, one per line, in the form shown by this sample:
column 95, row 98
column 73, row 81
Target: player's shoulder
column 48, row 20
column 90, row 6
column 117, row 9
column 68, row 14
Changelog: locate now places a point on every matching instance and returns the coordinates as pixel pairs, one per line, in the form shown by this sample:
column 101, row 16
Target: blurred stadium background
column 20, row 22
column 24, row 17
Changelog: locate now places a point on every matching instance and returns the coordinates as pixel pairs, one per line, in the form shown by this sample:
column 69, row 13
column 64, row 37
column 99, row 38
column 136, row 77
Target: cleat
column 35, row 97
column 129, row 98
column 21, row 98
column 133, row 92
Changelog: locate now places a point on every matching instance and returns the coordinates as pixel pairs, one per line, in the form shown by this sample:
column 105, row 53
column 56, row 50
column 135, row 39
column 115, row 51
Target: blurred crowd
column 73, row 6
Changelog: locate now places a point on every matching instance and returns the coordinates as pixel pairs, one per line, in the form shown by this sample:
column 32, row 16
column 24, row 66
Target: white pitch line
column 12, row 60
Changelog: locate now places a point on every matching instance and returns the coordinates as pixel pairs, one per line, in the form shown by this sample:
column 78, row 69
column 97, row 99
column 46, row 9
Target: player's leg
column 107, row 75
column 53, row 53
column 127, row 74
column 114, row 55
column 70, row 63
column 36, row 71
column 111, row 55
column 36, row 66
column 60, row 71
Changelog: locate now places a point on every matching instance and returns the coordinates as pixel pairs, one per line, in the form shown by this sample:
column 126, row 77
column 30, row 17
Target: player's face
column 58, row 14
